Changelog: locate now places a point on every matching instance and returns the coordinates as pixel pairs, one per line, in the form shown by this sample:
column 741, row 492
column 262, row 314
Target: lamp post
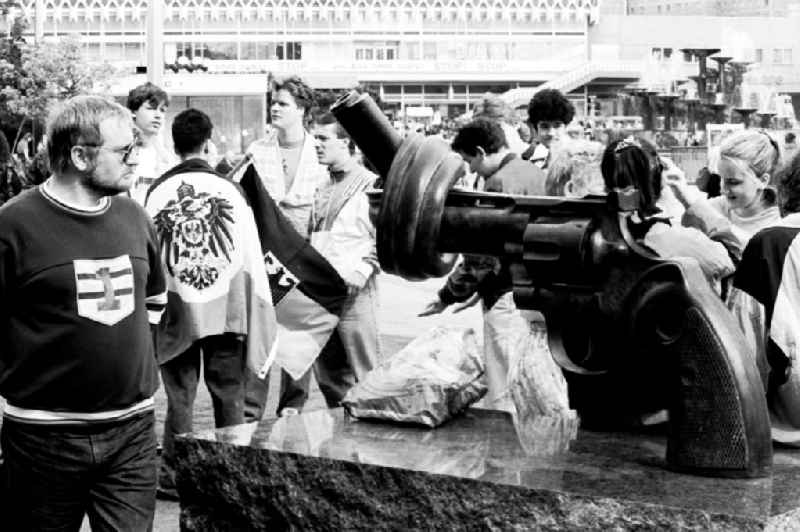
column 667, row 101
column 745, row 113
column 719, row 111
column 691, row 104
column 38, row 21
column 721, row 60
column 649, row 108
column 738, row 69
column 765, row 119
column 701, row 54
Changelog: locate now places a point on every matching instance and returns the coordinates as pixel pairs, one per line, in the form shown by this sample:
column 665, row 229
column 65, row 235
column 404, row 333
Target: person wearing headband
column 635, row 395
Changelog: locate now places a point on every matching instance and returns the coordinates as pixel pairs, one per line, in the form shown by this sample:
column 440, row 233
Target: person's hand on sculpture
column 471, row 302
column 434, row 307
column 676, row 179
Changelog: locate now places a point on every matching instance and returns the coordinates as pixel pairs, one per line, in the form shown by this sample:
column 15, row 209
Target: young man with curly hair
column 549, row 113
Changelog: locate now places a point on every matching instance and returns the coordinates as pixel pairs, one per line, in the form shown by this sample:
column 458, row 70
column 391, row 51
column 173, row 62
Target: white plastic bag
column 427, row 382
column 542, row 418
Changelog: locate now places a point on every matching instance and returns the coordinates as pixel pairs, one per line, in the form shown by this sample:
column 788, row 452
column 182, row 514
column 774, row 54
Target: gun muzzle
column 369, row 128
column 418, row 172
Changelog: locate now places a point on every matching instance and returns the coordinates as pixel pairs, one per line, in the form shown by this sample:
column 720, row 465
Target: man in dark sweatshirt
column 80, row 287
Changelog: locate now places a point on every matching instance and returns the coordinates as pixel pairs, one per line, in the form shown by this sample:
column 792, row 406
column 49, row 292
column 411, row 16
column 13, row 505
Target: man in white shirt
column 342, row 232
column 285, row 159
column 149, row 103
column 287, row 163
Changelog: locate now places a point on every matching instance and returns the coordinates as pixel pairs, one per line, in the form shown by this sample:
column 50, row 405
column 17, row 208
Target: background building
column 720, row 8
column 426, row 58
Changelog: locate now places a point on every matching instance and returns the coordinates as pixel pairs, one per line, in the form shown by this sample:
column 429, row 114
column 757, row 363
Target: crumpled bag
column 429, row 381
column 543, row 420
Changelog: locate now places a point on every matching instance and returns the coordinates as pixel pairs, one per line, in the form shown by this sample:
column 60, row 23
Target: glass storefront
column 238, row 120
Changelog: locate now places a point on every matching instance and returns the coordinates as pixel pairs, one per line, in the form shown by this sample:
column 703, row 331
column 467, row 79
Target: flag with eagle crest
column 307, row 291
column 216, row 279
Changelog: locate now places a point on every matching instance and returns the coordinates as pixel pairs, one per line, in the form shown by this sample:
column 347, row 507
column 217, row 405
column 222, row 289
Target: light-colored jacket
column 340, row 226
column 296, row 202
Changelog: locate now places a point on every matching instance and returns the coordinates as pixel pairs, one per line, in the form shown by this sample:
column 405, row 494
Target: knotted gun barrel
column 610, row 304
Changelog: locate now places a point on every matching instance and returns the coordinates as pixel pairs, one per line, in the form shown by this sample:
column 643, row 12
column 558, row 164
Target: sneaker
column 166, row 490
column 167, row 494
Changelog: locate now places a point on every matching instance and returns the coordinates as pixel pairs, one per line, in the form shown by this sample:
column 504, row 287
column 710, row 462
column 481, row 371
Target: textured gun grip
column 719, row 425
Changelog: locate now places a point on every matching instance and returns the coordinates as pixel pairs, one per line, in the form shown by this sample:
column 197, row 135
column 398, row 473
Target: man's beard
column 103, row 189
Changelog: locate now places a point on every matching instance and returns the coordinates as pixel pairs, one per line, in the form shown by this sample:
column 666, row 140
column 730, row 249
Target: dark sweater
column 75, row 291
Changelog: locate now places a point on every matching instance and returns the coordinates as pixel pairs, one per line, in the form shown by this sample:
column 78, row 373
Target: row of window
column 376, row 51
column 390, row 89
column 249, row 51
column 716, row 7
column 293, row 51
column 451, row 50
column 780, row 56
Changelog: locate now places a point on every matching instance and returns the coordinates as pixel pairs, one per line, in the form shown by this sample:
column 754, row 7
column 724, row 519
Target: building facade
column 426, row 58
column 720, row 8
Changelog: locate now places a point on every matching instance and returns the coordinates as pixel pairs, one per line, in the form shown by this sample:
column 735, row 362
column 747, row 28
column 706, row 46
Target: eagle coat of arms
column 195, row 235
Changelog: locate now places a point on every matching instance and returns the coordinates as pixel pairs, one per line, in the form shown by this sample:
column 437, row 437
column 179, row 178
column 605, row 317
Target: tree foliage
column 47, row 72
column 11, row 54
column 33, row 76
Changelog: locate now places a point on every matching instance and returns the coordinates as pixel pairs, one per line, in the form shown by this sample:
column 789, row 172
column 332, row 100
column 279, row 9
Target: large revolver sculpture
column 572, row 258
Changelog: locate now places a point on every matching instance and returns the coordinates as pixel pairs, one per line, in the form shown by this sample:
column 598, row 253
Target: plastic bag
column 544, row 422
column 433, row 378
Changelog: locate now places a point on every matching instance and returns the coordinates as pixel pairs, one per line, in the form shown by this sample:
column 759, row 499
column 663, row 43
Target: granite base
column 324, row 471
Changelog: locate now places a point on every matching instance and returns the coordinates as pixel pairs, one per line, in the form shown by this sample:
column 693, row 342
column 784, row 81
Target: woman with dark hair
column 626, row 164
column 634, row 393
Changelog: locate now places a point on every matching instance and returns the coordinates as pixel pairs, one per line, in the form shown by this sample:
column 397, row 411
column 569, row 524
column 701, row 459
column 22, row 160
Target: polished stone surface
column 278, row 458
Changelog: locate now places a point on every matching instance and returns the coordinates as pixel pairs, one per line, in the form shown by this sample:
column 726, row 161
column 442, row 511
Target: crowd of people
column 126, row 262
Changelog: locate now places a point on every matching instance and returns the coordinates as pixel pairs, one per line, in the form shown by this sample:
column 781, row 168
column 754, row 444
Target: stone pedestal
column 324, row 471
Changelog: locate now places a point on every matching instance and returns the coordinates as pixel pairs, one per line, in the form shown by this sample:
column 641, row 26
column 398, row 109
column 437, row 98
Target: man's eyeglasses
column 131, row 150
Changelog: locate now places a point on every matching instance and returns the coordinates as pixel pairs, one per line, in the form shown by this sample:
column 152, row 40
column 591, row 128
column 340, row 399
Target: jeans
column 353, row 349
column 503, row 328
column 224, row 369
column 293, row 393
column 54, row 475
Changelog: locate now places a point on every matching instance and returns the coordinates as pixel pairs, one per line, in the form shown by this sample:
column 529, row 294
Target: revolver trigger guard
column 555, row 341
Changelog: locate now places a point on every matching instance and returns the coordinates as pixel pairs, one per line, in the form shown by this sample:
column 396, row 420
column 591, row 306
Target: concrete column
column 38, row 23
column 155, row 42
